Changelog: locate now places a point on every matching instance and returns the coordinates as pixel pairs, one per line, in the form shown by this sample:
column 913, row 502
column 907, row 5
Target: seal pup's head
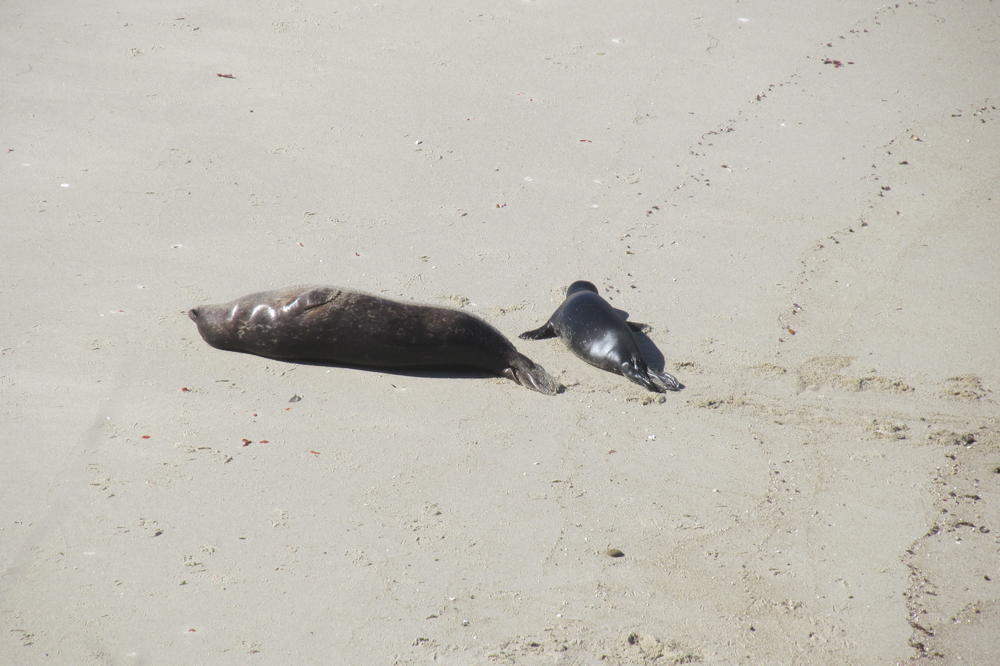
column 580, row 285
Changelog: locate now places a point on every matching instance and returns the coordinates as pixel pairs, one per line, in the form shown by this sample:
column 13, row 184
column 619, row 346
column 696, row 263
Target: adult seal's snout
column 592, row 329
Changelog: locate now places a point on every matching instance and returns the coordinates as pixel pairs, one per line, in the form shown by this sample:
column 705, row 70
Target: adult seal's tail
column 592, row 329
column 345, row 327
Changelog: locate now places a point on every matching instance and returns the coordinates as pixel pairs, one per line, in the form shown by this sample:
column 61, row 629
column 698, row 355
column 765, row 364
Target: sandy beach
column 800, row 199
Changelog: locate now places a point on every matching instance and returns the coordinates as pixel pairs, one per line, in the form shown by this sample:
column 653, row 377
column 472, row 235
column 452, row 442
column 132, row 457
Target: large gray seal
column 592, row 329
column 345, row 327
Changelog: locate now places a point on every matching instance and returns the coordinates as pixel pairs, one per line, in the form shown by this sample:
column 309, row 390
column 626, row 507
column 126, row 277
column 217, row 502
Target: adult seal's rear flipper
column 530, row 375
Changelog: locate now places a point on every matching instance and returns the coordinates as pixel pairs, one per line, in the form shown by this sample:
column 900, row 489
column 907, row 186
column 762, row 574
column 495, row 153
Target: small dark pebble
column 614, row 552
column 295, row 398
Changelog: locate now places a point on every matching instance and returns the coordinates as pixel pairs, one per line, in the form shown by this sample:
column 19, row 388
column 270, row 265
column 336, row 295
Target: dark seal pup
column 340, row 326
column 596, row 333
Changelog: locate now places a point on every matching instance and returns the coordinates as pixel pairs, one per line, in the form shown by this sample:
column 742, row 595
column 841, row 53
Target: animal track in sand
column 949, row 607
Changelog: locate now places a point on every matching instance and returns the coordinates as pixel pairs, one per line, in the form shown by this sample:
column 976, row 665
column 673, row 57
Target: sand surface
column 802, row 200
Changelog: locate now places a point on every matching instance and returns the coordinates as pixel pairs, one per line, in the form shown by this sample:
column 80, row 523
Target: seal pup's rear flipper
column 664, row 379
column 654, row 380
column 546, row 331
column 530, row 375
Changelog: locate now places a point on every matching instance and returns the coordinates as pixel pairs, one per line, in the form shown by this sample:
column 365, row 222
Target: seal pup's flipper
column 530, row 375
column 546, row 331
column 664, row 379
column 654, row 380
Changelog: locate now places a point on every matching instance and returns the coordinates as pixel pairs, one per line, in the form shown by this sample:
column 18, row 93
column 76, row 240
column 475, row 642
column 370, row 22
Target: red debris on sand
column 246, row 442
column 226, row 76
column 315, row 453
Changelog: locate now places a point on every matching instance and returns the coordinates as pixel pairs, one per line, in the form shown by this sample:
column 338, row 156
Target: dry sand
column 800, row 198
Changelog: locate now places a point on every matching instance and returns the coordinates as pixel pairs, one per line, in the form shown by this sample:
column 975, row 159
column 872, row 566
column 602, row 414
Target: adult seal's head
column 346, row 327
column 595, row 332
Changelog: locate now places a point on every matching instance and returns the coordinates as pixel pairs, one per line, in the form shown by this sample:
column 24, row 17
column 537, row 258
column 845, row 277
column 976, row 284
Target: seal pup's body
column 346, row 327
column 592, row 329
